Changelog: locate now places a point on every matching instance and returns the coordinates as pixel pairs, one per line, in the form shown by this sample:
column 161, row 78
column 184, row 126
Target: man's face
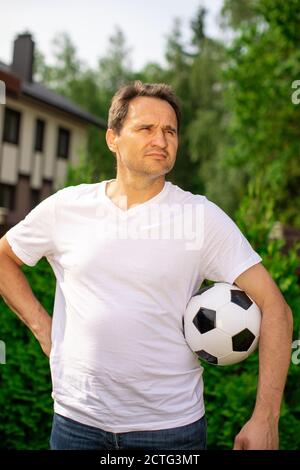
column 148, row 141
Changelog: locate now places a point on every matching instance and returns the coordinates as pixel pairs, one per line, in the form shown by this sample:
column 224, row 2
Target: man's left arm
column 261, row 431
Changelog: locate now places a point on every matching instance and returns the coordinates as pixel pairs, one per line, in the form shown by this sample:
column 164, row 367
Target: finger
column 237, row 445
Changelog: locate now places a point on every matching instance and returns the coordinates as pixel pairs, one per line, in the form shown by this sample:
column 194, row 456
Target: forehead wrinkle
column 136, row 115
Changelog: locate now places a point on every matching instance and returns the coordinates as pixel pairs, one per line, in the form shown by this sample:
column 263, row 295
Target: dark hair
column 120, row 101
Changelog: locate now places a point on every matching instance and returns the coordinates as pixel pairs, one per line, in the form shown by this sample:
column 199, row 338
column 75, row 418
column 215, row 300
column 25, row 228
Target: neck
column 133, row 190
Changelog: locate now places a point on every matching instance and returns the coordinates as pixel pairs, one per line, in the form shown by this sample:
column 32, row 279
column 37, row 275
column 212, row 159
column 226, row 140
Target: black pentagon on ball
column 207, row 357
column 241, row 299
column 205, row 320
column 243, row 340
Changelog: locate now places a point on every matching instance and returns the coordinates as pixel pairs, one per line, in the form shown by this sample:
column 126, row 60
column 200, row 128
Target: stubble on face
column 146, row 167
column 149, row 133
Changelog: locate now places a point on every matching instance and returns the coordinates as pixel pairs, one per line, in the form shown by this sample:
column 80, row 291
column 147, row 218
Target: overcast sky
column 91, row 22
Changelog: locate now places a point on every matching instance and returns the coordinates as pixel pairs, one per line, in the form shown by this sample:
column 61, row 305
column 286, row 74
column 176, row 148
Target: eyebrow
column 167, row 127
column 170, row 128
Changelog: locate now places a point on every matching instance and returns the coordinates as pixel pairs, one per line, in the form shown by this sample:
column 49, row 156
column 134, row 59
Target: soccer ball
column 221, row 324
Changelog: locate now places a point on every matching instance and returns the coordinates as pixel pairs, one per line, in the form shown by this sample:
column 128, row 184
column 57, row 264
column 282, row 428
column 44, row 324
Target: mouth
column 158, row 156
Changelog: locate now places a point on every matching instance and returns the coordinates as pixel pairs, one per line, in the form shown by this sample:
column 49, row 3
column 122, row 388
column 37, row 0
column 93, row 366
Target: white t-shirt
column 119, row 360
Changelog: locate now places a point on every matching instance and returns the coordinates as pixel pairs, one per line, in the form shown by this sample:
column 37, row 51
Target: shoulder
column 214, row 215
column 181, row 196
column 72, row 193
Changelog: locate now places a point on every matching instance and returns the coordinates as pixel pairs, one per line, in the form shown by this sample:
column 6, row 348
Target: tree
column 91, row 89
column 198, row 27
column 265, row 124
column 67, row 67
column 195, row 73
column 151, row 73
column 236, row 12
column 115, row 67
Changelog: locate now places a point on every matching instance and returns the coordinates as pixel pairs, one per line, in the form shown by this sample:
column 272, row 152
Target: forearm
column 17, row 293
column 274, row 358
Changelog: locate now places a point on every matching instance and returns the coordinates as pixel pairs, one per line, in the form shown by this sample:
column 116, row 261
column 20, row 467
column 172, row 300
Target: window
column 7, row 196
column 63, row 143
column 34, row 198
column 39, row 135
column 11, row 129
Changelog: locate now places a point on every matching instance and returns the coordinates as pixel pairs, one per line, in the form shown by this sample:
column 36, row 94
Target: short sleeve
column 32, row 238
column 226, row 253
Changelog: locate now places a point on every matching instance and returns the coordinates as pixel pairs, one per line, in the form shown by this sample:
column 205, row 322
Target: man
column 123, row 375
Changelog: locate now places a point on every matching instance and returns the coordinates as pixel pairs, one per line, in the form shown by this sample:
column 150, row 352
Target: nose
column 159, row 139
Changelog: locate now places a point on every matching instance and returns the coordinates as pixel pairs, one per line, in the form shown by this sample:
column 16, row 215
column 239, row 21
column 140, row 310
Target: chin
column 159, row 168
column 158, row 174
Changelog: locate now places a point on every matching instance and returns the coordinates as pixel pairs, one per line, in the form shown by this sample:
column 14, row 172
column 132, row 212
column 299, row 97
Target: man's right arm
column 17, row 294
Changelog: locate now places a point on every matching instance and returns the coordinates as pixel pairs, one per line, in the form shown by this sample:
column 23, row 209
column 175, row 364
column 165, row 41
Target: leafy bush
column 230, row 392
column 25, row 381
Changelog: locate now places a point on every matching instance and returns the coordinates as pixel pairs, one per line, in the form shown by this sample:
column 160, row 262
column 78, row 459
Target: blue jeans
column 69, row 434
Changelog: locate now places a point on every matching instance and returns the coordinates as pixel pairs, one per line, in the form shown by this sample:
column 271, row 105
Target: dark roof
column 42, row 94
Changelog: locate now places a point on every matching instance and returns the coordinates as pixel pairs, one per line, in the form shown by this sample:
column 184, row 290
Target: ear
column 111, row 137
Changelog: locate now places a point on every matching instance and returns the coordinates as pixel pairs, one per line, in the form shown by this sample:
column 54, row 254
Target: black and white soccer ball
column 221, row 324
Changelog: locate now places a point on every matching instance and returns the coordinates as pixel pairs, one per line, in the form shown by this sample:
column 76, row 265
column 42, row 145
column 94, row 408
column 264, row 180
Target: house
column 40, row 133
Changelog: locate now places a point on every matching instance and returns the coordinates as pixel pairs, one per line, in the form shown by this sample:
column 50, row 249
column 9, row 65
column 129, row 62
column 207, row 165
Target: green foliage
column 257, row 215
column 265, row 124
column 90, row 89
column 151, row 73
column 87, row 171
column 229, row 394
column 237, row 12
column 115, row 67
column 25, row 381
column 195, row 74
column 230, row 391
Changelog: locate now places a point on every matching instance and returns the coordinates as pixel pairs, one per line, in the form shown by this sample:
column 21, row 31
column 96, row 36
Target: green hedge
column 25, row 381
column 230, row 391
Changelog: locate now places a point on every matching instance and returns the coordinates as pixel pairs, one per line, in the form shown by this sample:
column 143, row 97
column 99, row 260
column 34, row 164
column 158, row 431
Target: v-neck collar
column 136, row 208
